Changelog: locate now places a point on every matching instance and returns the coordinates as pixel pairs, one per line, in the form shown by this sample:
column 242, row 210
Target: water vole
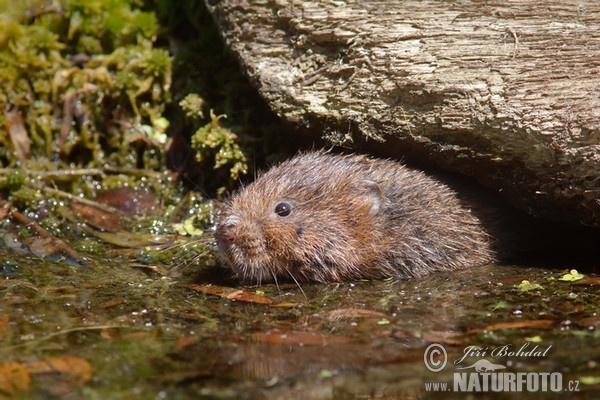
column 326, row 217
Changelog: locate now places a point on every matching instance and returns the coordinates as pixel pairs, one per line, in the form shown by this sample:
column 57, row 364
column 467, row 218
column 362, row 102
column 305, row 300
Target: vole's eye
column 283, row 209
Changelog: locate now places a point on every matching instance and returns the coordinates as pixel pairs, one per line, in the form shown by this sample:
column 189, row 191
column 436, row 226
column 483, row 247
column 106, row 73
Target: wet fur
column 352, row 217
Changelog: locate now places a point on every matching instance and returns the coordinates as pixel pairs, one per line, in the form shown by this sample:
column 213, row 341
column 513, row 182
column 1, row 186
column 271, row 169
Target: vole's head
column 306, row 220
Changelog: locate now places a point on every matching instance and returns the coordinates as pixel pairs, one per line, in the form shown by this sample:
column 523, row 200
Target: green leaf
column 572, row 276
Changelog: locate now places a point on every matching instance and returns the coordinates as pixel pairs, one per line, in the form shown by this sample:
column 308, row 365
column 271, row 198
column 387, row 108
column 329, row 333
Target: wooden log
column 507, row 92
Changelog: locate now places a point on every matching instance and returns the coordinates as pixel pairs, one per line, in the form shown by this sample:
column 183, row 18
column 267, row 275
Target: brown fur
column 351, row 217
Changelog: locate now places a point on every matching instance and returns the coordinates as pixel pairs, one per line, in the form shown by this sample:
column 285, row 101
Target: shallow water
column 126, row 331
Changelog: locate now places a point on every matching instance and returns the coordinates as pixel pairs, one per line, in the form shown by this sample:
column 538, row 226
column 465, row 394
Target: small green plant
column 213, row 141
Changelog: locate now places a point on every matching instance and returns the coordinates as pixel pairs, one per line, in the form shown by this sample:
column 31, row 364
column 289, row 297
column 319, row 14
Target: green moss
column 86, row 87
column 84, row 75
column 214, row 141
column 193, row 104
column 12, row 180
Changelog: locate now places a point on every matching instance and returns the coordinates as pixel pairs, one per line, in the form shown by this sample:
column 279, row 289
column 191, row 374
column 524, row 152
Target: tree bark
column 507, row 92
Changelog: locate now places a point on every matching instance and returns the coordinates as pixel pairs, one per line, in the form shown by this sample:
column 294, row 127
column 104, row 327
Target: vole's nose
column 226, row 234
column 227, row 229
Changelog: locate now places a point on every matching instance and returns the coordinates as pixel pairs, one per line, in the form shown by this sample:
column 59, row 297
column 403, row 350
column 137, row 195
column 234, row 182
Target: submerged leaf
column 4, row 323
column 541, row 323
column 97, row 218
column 232, row 293
column 129, row 200
column 14, row 379
column 74, row 367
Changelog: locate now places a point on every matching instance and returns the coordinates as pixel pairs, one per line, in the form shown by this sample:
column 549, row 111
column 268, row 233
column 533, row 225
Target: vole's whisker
column 297, row 283
column 274, row 275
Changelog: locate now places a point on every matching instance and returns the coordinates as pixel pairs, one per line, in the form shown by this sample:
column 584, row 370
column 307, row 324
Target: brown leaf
column 232, row 293
column 5, row 210
column 110, row 333
column 154, row 268
column 590, row 322
column 73, row 367
column 587, row 280
column 25, row 283
column 300, row 338
column 59, row 376
column 55, row 245
column 516, row 325
column 129, row 200
column 283, row 304
column 185, row 342
column 43, row 246
column 18, row 133
column 108, row 304
column 97, row 218
column 13, row 379
column 4, row 324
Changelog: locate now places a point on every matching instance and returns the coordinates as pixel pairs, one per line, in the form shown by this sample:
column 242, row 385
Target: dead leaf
column 107, row 304
column 18, row 133
column 283, row 304
column 4, row 324
column 13, row 379
column 516, row 325
column 73, row 367
column 300, row 338
column 590, row 322
column 154, row 268
column 232, row 293
column 97, row 217
column 43, row 246
column 59, row 376
column 129, row 200
column 111, row 333
column 185, row 342
column 24, row 283
column 587, row 280
column 4, row 210
column 48, row 245
column 137, row 336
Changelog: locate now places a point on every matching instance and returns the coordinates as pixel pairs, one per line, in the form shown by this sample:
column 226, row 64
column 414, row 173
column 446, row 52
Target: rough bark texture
column 508, row 92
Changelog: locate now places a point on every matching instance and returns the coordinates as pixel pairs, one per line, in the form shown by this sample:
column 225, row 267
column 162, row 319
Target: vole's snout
column 227, row 230
column 226, row 234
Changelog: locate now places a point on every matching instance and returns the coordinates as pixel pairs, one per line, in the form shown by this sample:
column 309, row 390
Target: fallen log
column 508, row 93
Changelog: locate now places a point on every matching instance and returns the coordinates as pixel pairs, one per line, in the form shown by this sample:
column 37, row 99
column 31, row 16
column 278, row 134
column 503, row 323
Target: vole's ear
column 369, row 193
